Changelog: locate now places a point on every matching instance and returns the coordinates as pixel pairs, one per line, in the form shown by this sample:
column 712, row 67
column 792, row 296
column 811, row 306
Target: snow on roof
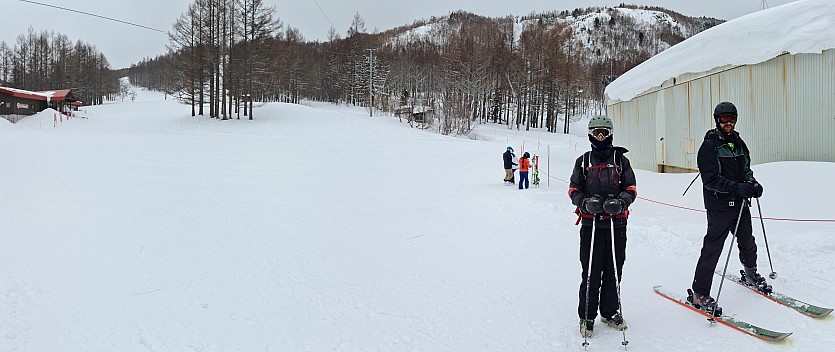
column 48, row 95
column 27, row 94
column 806, row 26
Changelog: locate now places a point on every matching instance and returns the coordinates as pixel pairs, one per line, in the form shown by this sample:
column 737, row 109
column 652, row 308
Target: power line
column 94, row 15
column 323, row 14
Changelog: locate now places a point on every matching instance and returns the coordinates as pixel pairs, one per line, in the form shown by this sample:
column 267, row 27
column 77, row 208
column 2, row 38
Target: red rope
column 672, row 205
column 702, row 210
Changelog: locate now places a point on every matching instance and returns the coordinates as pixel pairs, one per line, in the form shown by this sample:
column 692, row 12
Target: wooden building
column 16, row 104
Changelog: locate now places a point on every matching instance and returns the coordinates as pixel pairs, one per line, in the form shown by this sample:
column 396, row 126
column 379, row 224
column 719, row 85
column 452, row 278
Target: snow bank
column 41, row 119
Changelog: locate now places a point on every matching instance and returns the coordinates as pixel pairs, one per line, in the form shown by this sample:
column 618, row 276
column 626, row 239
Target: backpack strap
column 586, row 163
column 581, row 215
column 618, row 160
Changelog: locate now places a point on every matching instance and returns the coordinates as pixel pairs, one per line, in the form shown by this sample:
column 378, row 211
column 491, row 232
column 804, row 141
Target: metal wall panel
column 635, row 129
column 786, row 112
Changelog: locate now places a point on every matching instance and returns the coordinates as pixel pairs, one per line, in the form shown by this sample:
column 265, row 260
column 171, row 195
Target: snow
column 47, row 94
column 317, row 228
column 430, row 32
column 806, row 26
column 582, row 27
column 646, row 19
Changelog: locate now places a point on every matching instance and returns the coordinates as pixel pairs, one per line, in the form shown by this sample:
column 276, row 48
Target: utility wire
column 94, row 15
column 323, row 14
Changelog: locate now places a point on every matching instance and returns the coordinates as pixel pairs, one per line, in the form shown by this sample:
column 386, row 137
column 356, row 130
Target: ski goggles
column 727, row 119
column 600, row 132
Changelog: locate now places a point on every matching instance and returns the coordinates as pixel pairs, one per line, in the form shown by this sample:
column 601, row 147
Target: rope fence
column 702, row 210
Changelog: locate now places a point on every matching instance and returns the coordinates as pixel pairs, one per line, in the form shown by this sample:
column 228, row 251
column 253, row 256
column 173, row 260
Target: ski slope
column 315, row 227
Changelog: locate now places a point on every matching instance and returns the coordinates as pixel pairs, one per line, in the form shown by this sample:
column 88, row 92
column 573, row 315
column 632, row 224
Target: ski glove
column 745, row 190
column 593, row 205
column 613, row 206
column 758, row 189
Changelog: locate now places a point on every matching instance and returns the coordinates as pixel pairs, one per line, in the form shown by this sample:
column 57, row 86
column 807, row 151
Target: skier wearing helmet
column 602, row 187
column 524, row 166
column 508, row 157
column 727, row 184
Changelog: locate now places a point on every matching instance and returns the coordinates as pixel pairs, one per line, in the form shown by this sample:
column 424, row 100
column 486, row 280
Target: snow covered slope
column 317, row 228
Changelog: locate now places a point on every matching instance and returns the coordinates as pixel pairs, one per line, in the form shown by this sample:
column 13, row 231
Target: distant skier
column 524, row 166
column 508, row 157
column 602, row 187
column 728, row 183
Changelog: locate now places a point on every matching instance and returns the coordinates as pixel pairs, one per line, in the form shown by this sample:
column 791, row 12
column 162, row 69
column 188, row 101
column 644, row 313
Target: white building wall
column 786, row 112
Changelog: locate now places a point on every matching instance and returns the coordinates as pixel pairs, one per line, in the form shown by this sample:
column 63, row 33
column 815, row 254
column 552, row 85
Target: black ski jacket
column 508, row 160
column 722, row 168
column 604, row 177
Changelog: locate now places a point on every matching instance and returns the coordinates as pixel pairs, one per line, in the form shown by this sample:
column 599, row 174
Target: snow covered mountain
column 601, row 32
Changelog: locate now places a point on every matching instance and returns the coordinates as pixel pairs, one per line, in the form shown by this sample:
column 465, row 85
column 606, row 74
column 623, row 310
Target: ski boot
column 615, row 322
column 586, row 328
column 753, row 279
column 704, row 303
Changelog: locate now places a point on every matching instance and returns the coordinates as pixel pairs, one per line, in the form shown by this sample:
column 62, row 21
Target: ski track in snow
column 315, row 227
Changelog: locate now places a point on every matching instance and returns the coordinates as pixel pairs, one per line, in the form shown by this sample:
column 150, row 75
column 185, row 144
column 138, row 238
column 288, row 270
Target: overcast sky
column 123, row 44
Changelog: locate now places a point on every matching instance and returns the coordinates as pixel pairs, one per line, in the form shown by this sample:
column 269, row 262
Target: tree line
column 39, row 61
column 457, row 71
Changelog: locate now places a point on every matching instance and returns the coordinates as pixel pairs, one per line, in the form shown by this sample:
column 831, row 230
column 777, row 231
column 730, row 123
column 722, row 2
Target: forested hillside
column 446, row 73
column 39, row 61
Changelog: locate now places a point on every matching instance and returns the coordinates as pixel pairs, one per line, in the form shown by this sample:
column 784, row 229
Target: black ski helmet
column 526, row 155
column 724, row 108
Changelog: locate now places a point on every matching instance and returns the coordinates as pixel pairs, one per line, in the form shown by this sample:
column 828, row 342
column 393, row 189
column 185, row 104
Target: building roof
column 806, row 26
column 60, row 94
column 52, row 95
column 20, row 93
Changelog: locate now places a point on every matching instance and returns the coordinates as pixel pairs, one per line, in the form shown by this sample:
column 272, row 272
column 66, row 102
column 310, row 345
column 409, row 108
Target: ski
column 536, row 170
column 804, row 308
column 732, row 322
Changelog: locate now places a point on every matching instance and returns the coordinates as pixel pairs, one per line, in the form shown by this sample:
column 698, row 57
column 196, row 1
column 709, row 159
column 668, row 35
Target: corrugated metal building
column 786, row 107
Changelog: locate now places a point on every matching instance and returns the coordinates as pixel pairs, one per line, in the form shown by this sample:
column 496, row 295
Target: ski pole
column 588, row 281
column 617, row 277
column 773, row 274
column 730, row 249
column 691, row 184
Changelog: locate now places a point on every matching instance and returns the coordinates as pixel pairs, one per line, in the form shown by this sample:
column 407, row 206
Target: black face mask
column 730, row 137
column 600, row 145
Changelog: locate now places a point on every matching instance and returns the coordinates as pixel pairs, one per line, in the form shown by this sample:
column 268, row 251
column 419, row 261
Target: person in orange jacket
column 524, row 166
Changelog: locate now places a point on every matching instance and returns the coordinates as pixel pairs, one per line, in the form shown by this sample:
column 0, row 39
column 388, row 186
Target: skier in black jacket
column 728, row 184
column 602, row 187
column 508, row 157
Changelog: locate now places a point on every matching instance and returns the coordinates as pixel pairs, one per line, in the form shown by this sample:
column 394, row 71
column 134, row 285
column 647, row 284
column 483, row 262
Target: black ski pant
column 602, row 288
column 719, row 224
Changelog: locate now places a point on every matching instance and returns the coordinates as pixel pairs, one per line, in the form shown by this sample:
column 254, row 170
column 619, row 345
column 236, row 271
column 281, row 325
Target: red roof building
column 16, row 104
